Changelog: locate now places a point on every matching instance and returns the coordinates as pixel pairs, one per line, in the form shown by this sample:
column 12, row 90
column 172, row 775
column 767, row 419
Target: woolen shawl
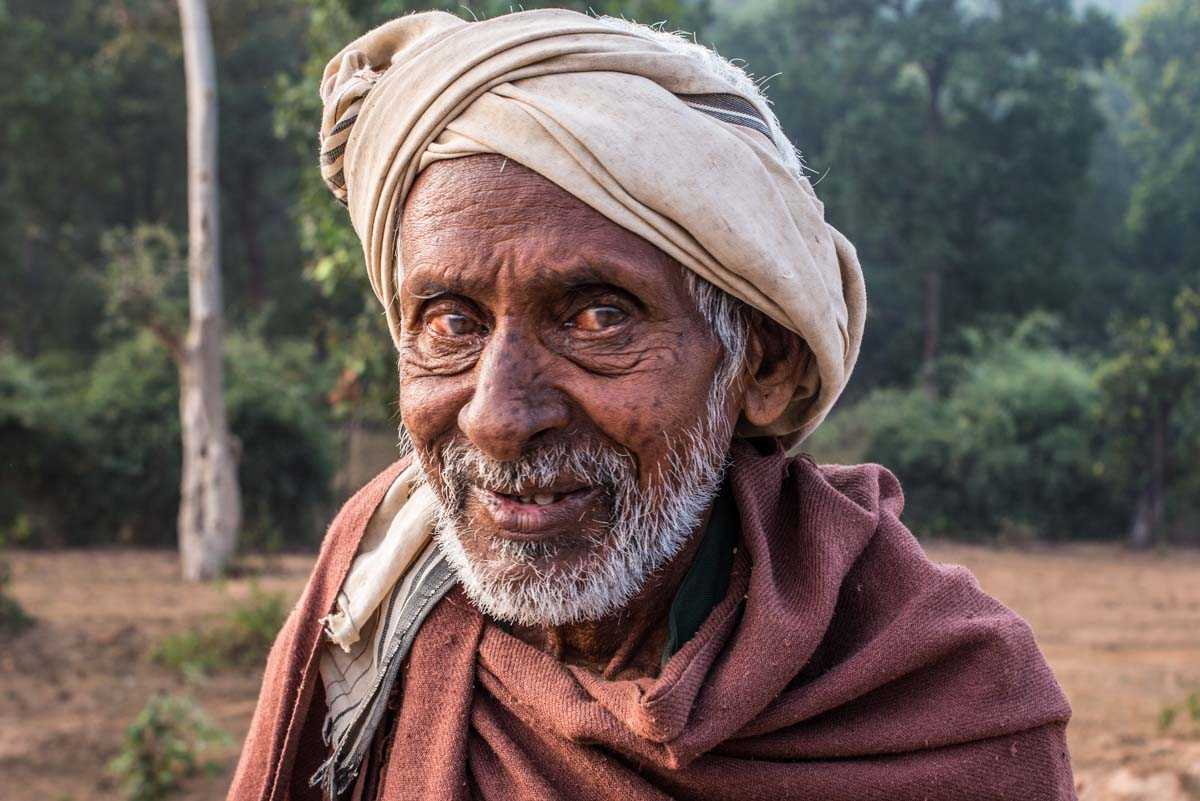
column 661, row 136
column 842, row 665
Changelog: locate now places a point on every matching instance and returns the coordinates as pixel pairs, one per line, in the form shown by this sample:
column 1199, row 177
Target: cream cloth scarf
column 395, row 580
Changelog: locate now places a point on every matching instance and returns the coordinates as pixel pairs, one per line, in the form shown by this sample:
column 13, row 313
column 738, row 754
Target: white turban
column 661, row 136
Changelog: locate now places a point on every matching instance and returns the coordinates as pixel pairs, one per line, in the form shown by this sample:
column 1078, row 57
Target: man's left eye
column 597, row 318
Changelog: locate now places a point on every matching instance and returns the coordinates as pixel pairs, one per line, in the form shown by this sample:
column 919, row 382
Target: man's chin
column 530, row 584
column 519, row 561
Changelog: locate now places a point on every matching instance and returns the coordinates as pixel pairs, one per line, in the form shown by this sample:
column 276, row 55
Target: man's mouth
column 534, row 513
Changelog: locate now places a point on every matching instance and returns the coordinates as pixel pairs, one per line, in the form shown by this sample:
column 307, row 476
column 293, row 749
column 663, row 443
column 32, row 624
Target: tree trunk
column 1149, row 511
column 210, row 506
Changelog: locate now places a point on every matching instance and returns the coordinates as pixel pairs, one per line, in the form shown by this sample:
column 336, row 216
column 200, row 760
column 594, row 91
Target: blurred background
column 1021, row 178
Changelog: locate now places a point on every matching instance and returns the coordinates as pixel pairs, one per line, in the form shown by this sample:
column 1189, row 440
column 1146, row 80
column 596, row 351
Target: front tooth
column 544, row 498
column 526, row 499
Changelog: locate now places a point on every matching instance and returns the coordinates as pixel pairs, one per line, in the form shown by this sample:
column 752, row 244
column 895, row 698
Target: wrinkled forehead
column 467, row 220
column 486, row 190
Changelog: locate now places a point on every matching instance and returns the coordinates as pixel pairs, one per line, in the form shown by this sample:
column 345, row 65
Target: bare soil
column 1121, row 630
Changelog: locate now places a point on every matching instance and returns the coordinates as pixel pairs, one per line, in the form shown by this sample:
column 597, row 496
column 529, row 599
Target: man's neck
column 628, row 643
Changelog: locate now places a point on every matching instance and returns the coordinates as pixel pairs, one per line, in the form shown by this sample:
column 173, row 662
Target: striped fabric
column 339, row 116
column 359, row 682
column 730, row 108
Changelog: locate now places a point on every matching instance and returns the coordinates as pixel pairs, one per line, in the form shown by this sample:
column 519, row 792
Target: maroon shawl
column 842, row 666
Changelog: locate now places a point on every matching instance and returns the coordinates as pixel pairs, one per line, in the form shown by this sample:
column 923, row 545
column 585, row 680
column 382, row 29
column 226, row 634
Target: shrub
column 1013, row 446
column 163, row 746
column 130, row 429
column 241, row 639
column 13, row 618
column 1190, row 706
column 40, row 443
column 96, row 453
column 277, row 412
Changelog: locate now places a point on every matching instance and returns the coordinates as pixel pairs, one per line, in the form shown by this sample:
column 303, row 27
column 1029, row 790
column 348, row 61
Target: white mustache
column 464, row 466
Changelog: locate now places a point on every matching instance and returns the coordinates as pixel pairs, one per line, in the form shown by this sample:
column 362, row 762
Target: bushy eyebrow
column 430, row 291
column 575, row 279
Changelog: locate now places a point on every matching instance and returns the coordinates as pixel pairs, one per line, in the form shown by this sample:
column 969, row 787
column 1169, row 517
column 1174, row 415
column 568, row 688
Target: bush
column 241, row 639
column 1190, row 707
column 97, row 452
column 163, row 746
column 13, row 618
column 130, row 430
column 277, row 412
column 40, row 440
column 1013, row 446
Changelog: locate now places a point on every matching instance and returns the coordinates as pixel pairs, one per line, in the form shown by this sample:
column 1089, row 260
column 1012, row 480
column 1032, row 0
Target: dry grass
column 1122, row 632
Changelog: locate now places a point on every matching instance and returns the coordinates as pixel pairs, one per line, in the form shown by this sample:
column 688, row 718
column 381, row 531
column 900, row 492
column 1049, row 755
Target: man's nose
column 512, row 403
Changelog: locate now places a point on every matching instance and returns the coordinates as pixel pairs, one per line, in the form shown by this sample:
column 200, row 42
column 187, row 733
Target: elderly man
column 600, row 574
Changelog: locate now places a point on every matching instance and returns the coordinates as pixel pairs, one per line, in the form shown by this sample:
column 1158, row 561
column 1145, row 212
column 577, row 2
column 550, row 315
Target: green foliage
column 951, row 139
column 127, row 484
column 1190, row 707
column 276, row 397
column 112, row 437
column 1155, row 364
column 164, row 746
column 239, row 640
column 1161, row 72
column 40, row 443
column 1151, row 409
column 13, row 617
column 1012, row 447
column 145, row 280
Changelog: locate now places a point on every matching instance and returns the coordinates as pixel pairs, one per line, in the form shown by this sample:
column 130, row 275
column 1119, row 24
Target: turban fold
column 661, row 136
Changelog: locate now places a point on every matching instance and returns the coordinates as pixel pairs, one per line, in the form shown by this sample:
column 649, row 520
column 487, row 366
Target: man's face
column 556, row 380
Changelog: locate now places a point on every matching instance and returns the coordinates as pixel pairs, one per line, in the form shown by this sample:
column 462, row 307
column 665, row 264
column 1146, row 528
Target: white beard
column 645, row 529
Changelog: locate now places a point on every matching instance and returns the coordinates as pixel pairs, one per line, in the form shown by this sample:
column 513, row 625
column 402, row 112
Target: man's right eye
column 449, row 324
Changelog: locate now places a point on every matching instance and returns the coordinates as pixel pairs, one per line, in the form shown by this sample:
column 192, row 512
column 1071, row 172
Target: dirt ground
column 1122, row 632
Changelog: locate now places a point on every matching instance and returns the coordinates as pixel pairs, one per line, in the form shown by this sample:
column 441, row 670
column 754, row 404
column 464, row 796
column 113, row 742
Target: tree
column 951, row 141
column 1153, row 380
column 1147, row 386
column 1161, row 72
column 210, row 507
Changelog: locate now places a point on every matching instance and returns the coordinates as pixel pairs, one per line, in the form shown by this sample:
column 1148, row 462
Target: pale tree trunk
column 210, row 506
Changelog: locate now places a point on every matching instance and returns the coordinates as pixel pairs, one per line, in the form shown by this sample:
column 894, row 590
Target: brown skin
column 530, row 317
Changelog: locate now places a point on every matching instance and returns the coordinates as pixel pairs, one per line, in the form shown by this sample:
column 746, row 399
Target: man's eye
column 452, row 325
column 597, row 318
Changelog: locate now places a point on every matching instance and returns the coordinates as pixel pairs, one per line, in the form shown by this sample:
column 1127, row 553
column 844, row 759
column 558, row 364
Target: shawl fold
column 396, row 579
column 842, row 665
column 661, row 136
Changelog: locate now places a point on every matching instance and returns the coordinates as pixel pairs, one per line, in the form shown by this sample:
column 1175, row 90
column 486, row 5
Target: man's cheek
column 642, row 420
column 429, row 408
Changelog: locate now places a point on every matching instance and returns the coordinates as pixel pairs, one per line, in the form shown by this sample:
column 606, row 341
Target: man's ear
column 775, row 368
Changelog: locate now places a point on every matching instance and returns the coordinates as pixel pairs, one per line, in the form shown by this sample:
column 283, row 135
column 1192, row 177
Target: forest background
column 1021, row 178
